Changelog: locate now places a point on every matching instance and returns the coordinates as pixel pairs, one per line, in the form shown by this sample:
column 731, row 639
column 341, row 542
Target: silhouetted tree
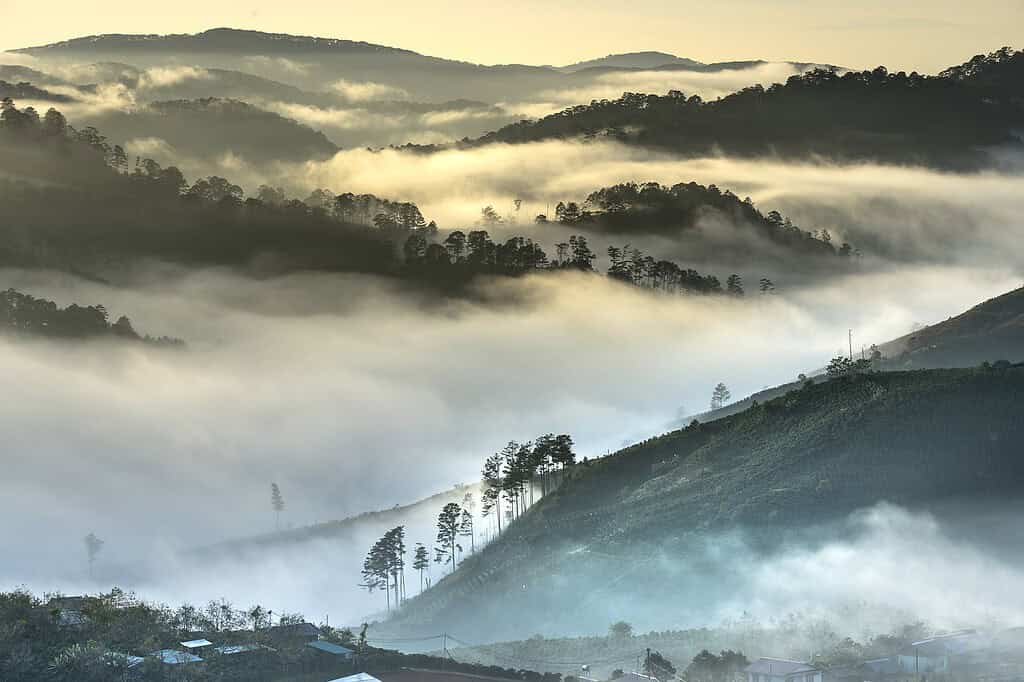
column 447, row 534
column 720, row 396
column 93, row 545
column 277, row 503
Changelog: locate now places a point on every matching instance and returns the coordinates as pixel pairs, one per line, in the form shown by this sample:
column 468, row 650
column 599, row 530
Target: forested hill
column 210, row 127
column 25, row 315
column 625, row 533
column 942, row 121
column 71, row 200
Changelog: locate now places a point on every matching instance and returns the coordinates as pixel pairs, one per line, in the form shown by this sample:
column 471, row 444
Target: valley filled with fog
column 367, row 365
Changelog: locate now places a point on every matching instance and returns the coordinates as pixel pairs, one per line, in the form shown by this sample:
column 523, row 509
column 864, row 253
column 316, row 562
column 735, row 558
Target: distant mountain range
column 633, row 60
column 312, row 63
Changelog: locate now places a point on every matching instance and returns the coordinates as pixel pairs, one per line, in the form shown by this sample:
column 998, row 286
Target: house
column 294, row 632
column 331, row 649
column 174, row 657
column 68, row 610
column 236, row 649
column 781, row 670
column 196, row 646
column 358, row 677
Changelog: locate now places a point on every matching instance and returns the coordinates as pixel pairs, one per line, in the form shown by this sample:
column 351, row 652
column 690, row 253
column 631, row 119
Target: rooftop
column 172, row 657
column 779, row 666
column 330, row 648
column 196, row 643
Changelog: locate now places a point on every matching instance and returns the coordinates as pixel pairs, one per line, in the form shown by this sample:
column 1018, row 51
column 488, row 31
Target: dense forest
column 30, row 316
column 876, row 115
column 25, row 90
column 78, row 203
column 209, row 127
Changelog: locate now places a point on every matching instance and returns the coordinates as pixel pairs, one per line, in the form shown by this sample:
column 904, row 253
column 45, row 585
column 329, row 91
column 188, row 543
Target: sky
column 916, row 35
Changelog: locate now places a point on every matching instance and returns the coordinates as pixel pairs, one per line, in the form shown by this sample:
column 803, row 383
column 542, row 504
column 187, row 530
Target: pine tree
column 720, row 396
column 447, row 534
column 420, row 562
column 492, row 480
column 277, row 502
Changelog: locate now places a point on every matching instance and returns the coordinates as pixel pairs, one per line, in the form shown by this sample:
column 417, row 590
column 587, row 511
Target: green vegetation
column 102, row 637
column 869, row 115
column 27, row 315
column 77, row 204
column 806, row 458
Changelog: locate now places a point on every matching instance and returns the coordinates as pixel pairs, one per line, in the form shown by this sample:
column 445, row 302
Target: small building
column 196, row 646
column 174, row 657
column 358, row 677
column 68, row 610
column 236, row 649
column 782, row 670
column 293, row 632
column 331, row 649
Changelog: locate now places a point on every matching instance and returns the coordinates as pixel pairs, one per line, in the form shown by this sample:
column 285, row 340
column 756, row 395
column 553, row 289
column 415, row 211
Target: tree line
column 943, row 121
column 87, row 216
column 511, row 475
column 22, row 313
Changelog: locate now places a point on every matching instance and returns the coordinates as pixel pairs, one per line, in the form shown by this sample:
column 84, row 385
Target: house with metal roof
column 293, row 632
column 234, row 650
column 782, row 670
column 331, row 649
column 174, row 657
column 194, row 645
column 358, row 677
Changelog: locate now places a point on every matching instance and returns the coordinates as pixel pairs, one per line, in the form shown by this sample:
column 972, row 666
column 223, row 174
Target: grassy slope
column 990, row 331
column 341, row 528
column 808, row 457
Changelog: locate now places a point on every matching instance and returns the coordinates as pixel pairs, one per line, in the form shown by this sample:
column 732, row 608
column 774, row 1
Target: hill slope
column 313, row 63
column 942, row 121
column 990, row 331
column 631, row 60
column 628, row 535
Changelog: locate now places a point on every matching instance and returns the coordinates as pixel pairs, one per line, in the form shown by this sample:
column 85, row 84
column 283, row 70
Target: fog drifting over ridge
column 329, row 384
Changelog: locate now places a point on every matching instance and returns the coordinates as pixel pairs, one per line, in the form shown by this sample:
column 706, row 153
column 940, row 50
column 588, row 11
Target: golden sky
column 916, row 35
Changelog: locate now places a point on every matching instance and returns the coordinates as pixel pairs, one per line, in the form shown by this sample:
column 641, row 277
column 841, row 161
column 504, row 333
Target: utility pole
column 850, row 338
column 647, row 665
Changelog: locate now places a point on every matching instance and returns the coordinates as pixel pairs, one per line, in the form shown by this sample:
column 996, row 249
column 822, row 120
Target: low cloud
column 329, row 384
column 367, row 91
column 708, row 85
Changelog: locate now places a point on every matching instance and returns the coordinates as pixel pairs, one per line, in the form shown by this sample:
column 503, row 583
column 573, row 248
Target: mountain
column 988, row 332
column 309, row 62
column 992, row 331
column 25, row 90
column 668, row 526
column 212, row 40
column 207, row 129
column 365, row 527
column 313, row 64
column 632, row 60
column 874, row 115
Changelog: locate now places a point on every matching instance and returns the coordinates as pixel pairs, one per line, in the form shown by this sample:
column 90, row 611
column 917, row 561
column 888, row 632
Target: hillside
column 990, row 331
column 871, row 115
column 313, row 63
column 174, row 132
column 631, row 60
column 641, row 519
column 369, row 525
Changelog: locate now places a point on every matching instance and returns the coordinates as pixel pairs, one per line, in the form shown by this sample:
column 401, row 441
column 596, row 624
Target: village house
column 781, row 670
